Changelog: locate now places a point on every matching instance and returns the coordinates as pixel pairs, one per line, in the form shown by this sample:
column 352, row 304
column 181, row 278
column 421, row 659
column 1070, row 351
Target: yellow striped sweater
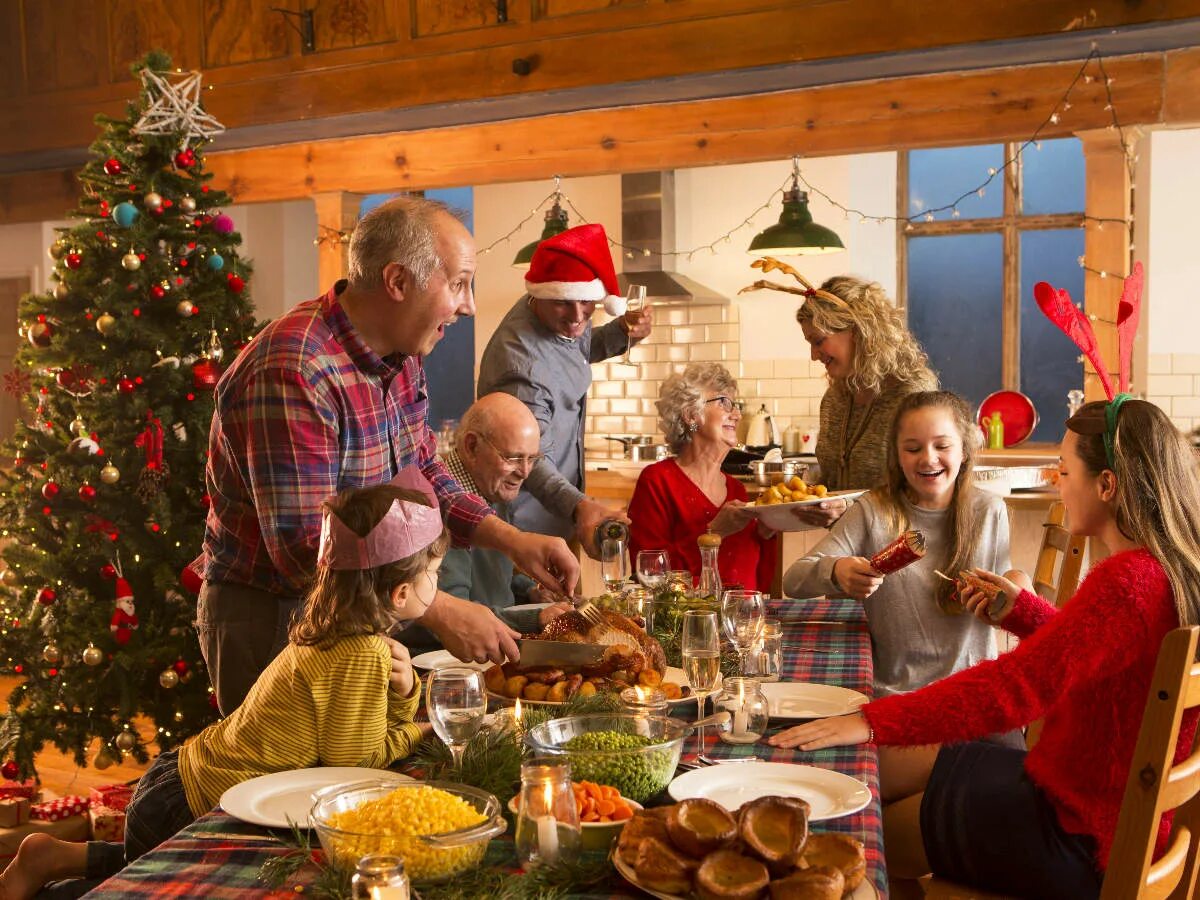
column 311, row 707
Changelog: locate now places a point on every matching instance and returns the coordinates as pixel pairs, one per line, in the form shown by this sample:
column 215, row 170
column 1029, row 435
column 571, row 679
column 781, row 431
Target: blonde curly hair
column 884, row 348
column 683, row 393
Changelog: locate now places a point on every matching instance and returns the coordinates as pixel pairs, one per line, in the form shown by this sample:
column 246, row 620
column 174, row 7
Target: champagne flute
column 456, row 703
column 614, row 565
column 700, row 646
column 744, row 614
column 635, row 301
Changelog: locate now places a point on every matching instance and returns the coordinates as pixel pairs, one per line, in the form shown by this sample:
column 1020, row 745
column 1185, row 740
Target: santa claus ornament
column 576, row 265
column 124, row 619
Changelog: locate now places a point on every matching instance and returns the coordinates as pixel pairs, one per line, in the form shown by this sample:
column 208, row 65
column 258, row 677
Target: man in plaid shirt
column 332, row 395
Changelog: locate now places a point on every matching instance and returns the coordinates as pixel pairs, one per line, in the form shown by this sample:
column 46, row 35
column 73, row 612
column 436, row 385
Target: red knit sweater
column 668, row 512
column 1086, row 669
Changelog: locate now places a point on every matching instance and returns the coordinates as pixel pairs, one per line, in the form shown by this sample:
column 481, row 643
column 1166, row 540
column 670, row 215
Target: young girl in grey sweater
column 919, row 631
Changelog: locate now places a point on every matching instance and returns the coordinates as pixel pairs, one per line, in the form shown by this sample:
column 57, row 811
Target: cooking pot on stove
column 641, row 447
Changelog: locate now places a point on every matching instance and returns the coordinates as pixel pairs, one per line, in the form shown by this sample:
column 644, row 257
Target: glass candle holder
column 380, row 877
column 748, row 710
column 638, row 603
column 547, row 822
column 766, row 659
column 645, row 701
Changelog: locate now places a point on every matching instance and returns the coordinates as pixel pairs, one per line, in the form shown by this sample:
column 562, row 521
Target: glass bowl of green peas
column 635, row 754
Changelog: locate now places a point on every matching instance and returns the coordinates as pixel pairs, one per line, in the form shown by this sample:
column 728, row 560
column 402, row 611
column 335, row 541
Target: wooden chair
column 1154, row 786
column 1055, row 578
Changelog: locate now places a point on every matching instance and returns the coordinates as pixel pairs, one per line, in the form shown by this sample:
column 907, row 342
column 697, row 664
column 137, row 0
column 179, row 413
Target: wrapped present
column 14, row 811
column 113, row 796
column 108, row 824
column 56, row 810
column 26, row 789
column 72, row 828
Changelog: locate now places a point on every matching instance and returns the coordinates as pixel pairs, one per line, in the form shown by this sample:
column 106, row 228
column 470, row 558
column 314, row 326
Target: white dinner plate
column 779, row 515
column 272, row 800
column 523, row 607
column 830, row 794
column 438, row 659
column 802, row 700
column 865, row 891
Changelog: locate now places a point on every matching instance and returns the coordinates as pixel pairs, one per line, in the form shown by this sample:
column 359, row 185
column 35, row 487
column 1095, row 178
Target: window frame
column 1009, row 225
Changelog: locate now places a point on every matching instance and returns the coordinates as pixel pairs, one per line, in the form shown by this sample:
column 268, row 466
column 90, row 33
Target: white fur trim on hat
column 615, row 305
column 583, row 291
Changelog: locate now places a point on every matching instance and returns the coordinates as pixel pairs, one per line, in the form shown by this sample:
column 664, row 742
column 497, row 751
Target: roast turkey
column 627, row 640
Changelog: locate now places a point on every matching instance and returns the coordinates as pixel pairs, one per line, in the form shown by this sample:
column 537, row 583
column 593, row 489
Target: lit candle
column 393, row 892
column 547, row 830
column 517, row 713
column 739, row 714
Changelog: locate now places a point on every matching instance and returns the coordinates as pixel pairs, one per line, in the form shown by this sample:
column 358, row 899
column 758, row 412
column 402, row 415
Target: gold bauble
column 103, row 759
column 153, row 200
column 179, row 715
column 51, row 654
column 61, row 291
column 169, row 678
column 130, row 262
column 187, row 203
column 10, row 578
column 105, row 323
column 93, row 655
column 126, row 741
column 78, row 427
column 110, row 474
column 184, row 308
column 57, row 250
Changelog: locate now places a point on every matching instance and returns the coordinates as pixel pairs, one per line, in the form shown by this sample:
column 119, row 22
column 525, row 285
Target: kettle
column 760, row 431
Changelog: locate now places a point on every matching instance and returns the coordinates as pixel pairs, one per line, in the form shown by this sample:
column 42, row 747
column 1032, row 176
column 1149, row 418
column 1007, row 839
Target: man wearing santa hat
column 542, row 354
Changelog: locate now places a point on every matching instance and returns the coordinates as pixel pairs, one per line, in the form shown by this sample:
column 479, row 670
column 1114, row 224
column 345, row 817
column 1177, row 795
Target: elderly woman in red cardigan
column 677, row 500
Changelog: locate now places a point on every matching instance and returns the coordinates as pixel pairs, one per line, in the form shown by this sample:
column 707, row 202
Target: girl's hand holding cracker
column 401, row 679
column 988, row 595
column 855, row 577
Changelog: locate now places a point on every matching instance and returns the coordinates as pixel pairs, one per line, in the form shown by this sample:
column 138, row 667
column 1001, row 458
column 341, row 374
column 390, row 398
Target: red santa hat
column 124, row 591
column 574, row 265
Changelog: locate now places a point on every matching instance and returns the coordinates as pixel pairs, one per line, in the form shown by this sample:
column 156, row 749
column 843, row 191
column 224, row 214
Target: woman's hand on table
column 855, row 577
column 401, row 677
column 730, row 519
column 823, row 515
column 820, row 733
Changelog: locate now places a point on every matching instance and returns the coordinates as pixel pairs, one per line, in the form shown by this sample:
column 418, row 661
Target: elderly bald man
column 495, row 450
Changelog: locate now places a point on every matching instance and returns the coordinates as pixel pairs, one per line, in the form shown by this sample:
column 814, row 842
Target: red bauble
column 109, row 571
column 157, row 291
column 40, row 334
column 10, row 769
column 205, row 374
column 87, row 493
column 46, row 596
column 50, row 490
column 185, row 158
column 212, row 700
column 74, row 260
column 112, row 166
column 125, row 385
column 236, row 283
column 206, row 500
column 65, row 378
column 191, row 581
column 181, row 667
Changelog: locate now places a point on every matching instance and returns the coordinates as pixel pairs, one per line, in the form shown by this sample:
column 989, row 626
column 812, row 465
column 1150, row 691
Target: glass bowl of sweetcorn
column 439, row 829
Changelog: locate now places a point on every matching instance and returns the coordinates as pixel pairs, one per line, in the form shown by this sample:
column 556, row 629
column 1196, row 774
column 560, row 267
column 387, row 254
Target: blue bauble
column 216, row 262
column 125, row 214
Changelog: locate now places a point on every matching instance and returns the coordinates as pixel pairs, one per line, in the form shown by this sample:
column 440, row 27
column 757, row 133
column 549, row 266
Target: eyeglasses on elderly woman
column 726, row 402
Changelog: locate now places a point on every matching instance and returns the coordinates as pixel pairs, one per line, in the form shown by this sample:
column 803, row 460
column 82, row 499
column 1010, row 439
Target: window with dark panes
column 967, row 272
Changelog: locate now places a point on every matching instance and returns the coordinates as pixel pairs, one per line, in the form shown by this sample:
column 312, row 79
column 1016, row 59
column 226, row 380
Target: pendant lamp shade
column 795, row 234
column 556, row 223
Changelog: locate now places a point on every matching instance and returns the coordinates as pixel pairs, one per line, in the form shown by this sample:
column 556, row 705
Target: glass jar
column 765, row 661
column 380, row 877
column 644, row 701
column 638, row 603
column 547, row 822
column 747, row 706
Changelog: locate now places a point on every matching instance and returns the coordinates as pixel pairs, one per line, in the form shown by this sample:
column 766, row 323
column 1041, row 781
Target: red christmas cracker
column 62, row 808
column 904, row 550
column 112, row 796
column 26, row 789
column 107, row 824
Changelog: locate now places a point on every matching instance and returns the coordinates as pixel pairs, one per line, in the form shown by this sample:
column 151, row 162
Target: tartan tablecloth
column 220, row 856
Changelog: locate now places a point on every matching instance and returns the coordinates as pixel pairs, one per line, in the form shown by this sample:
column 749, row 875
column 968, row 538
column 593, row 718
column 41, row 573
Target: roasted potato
column 536, row 691
column 587, row 689
column 558, row 692
column 649, row 678
column 495, row 679
column 671, row 689
column 515, row 685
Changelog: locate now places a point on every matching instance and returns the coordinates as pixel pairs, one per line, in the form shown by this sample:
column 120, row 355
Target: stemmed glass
column 743, row 613
column 635, row 301
column 652, row 568
column 456, row 703
column 700, row 646
column 614, row 565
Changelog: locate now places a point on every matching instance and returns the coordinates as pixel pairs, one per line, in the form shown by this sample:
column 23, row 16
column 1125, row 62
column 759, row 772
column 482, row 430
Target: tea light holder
column 644, row 701
column 747, row 706
column 509, row 718
column 548, row 828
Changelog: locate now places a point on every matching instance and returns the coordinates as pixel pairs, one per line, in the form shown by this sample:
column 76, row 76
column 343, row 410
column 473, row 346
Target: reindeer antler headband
column 1058, row 308
column 770, row 264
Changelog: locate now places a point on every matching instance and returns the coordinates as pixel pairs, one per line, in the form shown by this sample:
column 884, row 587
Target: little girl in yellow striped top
column 340, row 694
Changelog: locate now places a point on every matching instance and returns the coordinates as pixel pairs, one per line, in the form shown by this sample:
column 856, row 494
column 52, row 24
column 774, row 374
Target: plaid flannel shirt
column 305, row 411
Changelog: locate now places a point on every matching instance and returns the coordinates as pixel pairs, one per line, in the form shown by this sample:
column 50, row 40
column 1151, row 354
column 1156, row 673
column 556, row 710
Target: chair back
column 1155, row 786
column 1060, row 559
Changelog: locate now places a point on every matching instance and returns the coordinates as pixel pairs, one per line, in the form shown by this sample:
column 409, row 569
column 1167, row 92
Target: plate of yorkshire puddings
column 698, row 849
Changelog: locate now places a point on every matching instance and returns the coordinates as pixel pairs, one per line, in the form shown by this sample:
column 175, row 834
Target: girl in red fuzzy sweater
column 1128, row 477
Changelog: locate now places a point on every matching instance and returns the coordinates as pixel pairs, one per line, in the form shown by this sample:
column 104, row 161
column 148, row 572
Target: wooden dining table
column 824, row 642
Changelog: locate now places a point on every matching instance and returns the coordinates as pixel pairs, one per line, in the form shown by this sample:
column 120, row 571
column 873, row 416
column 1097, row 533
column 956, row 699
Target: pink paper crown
column 405, row 529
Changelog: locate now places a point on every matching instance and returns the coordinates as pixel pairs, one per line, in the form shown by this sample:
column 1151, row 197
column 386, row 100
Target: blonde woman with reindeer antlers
column 873, row 362
column 1129, row 478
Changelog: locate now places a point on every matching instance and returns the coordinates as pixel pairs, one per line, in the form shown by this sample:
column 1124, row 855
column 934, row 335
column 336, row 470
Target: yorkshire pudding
column 661, row 867
column 728, row 875
column 699, row 826
column 818, row 883
column 636, row 830
column 775, row 830
column 840, row 851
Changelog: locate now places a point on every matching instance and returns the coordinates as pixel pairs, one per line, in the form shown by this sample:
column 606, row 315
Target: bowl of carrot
column 602, row 811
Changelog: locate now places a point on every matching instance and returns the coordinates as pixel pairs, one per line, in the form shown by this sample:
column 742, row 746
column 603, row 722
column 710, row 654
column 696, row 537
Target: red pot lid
column 1016, row 411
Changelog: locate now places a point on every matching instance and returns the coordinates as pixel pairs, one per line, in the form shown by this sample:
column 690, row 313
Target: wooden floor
column 58, row 771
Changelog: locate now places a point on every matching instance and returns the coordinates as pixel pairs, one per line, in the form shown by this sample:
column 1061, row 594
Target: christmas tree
column 104, row 502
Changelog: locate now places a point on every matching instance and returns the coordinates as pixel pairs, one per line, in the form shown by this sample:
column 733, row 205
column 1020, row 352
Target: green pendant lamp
column 556, row 223
column 795, row 234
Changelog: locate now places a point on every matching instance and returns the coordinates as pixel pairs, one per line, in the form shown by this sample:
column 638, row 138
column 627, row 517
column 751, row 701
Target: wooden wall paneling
column 337, row 212
column 139, row 26
column 241, row 31
column 550, row 9
column 354, row 23
column 64, row 47
column 1181, row 88
column 430, row 17
column 12, row 68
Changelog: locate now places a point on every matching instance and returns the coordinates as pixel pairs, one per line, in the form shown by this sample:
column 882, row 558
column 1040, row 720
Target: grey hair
column 404, row 231
column 683, row 393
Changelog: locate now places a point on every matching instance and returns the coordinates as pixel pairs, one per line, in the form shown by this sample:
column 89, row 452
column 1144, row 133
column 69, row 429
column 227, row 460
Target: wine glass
column 614, row 565
column 743, row 613
column 652, row 568
column 456, row 703
column 635, row 301
column 700, row 646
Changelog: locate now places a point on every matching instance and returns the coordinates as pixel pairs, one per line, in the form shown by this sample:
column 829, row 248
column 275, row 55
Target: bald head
column 495, row 431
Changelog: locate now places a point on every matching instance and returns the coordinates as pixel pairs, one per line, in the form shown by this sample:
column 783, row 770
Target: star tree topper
column 175, row 108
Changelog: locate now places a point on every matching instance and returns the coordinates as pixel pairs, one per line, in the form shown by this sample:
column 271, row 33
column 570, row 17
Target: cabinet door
column 432, row 17
column 338, row 24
